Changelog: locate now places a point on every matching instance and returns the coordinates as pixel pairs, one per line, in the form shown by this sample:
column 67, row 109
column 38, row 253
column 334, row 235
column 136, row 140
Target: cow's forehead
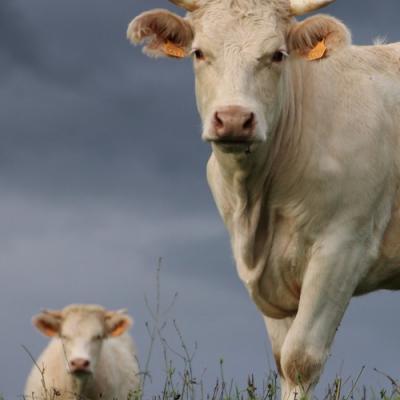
column 237, row 21
column 278, row 8
column 83, row 324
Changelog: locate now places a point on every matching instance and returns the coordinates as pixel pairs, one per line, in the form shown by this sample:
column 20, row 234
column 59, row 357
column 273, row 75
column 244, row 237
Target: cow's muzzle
column 80, row 367
column 232, row 125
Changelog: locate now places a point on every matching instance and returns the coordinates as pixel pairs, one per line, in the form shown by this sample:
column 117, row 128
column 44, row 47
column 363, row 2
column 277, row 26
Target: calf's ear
column 117, row 323
column 48, row 322
column 318, row 37
column 163, row 33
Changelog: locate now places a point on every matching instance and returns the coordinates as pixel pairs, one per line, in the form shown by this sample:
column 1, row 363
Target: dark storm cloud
column 17, row 38
column 102, row 171
column 369, row 19
column 93, row 121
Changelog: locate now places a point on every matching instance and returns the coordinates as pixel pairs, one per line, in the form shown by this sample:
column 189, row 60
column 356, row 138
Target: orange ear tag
column 172, row 50
column 318, row 51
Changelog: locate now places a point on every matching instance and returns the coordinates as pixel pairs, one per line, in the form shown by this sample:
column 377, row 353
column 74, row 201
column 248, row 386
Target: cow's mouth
column 81, row 373
column 233, row 146
column 233, row 142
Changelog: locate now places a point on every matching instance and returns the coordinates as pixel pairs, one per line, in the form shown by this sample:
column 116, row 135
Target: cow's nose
column 234, row 123
column 79, row 365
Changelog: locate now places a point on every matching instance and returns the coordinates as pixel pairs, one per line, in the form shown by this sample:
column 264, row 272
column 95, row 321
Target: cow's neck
column 245, row 180
column 256, row 183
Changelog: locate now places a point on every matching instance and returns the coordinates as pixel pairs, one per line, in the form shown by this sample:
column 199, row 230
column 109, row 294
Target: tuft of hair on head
column 379, row 40
column 85, row 308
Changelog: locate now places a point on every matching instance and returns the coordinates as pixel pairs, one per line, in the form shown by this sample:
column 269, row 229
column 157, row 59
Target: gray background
column 102, row 171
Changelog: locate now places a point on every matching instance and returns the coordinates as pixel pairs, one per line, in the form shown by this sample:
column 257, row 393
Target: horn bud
column 189, row 5
column 300, row 7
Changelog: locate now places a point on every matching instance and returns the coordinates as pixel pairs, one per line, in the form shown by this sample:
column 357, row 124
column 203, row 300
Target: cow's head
column 239, row 50
column 82, row 330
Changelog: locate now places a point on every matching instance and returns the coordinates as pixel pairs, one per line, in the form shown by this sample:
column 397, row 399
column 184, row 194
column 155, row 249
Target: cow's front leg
column 277, row 332
column 338, row 262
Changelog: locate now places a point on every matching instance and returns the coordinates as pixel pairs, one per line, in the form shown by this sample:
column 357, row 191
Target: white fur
column 312, row 205
column 113, row 361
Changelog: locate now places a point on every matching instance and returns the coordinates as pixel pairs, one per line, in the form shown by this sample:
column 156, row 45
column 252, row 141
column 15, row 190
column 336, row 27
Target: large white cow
column 90, row 356
column 305, row 131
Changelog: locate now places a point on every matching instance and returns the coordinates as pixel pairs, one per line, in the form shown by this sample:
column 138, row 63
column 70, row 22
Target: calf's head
column 239, row 50
column 82, row 330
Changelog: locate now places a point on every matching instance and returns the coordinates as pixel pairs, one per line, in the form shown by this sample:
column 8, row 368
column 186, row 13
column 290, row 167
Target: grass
column 183, row 384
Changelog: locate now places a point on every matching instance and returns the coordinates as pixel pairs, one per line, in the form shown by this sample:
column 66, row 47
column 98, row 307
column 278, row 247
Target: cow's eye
column 198, row 54
column 98, row 337
column 279, row 56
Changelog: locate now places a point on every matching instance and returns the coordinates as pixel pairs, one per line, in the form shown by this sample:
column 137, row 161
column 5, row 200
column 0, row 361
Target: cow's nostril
column 248, row 124
column 80, row 363
column 219, row 123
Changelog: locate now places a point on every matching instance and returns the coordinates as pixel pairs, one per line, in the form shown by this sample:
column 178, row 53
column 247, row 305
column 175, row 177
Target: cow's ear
column 163, row 33
column 48, row 322
column 318, row 37
column 117, row 323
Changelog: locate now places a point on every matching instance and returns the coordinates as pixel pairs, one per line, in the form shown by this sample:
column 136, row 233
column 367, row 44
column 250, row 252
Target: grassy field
column 179, row 381
column 182, row 384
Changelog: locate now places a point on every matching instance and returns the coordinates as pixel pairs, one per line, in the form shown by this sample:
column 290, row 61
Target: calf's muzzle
column 79, row 365
column 233, row 124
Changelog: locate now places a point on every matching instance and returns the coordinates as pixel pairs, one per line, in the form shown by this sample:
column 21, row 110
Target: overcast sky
column 102, row 171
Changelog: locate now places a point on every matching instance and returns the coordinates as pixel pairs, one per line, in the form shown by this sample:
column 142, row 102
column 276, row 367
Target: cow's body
column 305, row 169
column 91, row 356
column 334, row 191
column 116, row 375
column 335, row 171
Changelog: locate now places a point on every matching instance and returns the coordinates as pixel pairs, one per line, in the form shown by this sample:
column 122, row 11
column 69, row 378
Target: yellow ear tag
column 172, row 50
column 317, row 52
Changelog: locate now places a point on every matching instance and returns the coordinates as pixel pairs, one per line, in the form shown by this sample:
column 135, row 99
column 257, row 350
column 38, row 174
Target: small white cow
column 305, row 164
column 90, row 356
